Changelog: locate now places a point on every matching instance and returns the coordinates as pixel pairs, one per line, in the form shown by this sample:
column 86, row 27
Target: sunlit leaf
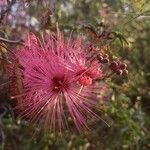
column 141, row 5
column 3, row 55
column 3, row 48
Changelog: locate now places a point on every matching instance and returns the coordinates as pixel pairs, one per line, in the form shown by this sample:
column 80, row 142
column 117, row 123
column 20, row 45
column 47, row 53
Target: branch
column 11, row 41
column 3, row 13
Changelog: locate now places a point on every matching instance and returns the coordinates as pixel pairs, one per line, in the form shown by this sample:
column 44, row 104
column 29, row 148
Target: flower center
column 59, row 84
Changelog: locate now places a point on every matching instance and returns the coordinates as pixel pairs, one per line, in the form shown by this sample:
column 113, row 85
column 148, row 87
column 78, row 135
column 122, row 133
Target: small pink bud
column 100, row 58
column 105, row 60
column 119, row 72
column 125, row 72
column 113, row 65
column 105, row 55
column 118, row 62
column 123, row 66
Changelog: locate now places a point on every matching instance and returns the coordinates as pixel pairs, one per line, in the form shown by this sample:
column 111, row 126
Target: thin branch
column 145, row 14
column 3, row 13
column 138, row 15
column 11, row 41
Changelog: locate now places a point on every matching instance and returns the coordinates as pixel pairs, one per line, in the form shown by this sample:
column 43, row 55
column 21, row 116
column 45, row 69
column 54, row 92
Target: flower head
column 58, row 79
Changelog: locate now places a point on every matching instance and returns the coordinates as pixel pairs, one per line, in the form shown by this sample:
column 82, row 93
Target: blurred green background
column 128, row 111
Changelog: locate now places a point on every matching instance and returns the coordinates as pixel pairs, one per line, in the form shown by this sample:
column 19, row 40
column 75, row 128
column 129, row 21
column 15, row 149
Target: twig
column 3, row 13
column 11, row 41
column 138, row 15
column 145, row 14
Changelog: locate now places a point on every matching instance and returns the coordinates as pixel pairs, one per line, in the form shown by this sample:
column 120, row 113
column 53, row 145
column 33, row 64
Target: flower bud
column 125, row 72
column 119, row 72
column 118, row 62
column 105, row 60
column 113, row 65
column 105, row 55
column 100, row 58
column 123, row 66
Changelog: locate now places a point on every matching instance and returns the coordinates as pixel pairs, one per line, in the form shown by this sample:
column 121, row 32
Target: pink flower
column 58, row 79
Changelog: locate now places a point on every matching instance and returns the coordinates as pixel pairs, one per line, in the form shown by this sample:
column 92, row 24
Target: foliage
column 127, row 111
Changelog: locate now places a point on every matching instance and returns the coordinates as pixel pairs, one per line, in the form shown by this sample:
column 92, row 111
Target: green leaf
column 119, row 36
